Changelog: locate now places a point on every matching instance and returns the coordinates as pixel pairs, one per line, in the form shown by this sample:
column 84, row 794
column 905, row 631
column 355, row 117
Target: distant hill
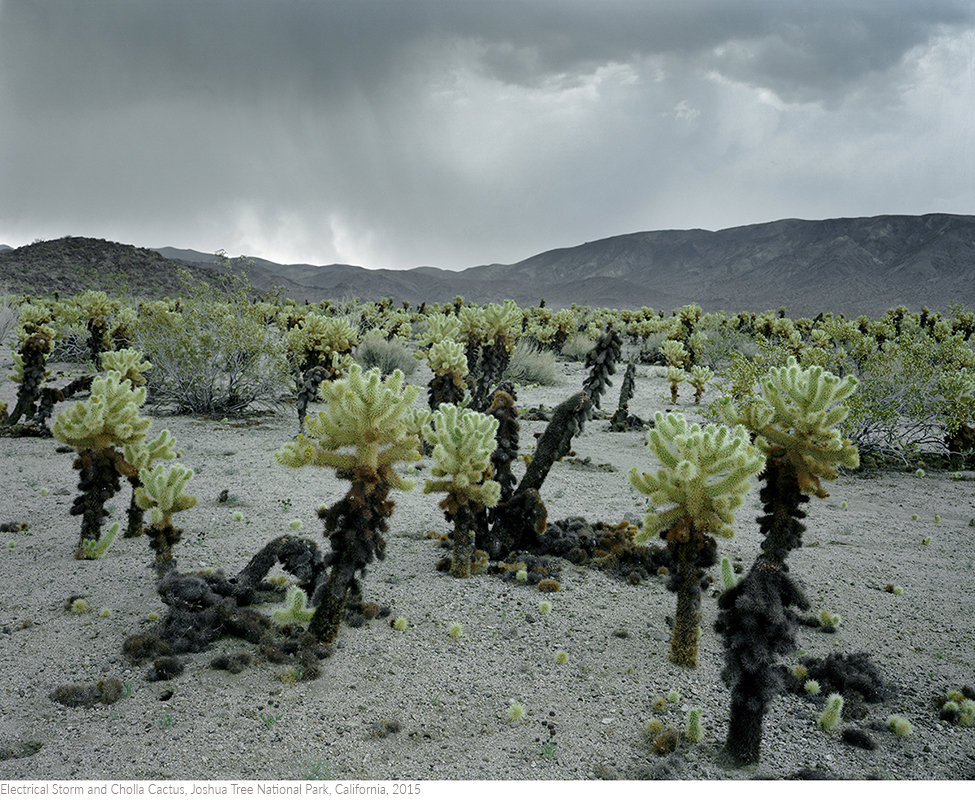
column 74, row 263
column 851, row 266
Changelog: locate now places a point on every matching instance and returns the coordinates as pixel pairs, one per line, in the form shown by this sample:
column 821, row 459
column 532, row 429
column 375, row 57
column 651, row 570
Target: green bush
column 529, row 364
column 577, row 348
column 212, row 355
column 388, row 356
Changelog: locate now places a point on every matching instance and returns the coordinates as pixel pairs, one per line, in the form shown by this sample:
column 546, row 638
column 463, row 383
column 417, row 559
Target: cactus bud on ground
column 830, row 718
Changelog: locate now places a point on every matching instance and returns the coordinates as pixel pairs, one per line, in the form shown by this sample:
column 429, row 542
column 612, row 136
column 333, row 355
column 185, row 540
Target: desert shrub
column 530, row 364
column 577, row 348
column 913, row 384
column 388, row 356
column 212, row 356
column 717, row 347
column 912, row 394
column 9, row 315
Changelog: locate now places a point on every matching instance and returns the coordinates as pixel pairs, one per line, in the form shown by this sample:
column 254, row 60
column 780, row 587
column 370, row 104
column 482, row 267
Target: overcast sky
column 400, row 133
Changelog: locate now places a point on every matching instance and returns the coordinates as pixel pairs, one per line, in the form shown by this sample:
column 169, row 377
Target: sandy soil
column 419, row 704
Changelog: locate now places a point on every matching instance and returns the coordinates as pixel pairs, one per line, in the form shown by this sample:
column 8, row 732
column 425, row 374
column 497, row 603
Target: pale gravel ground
column 450, row 696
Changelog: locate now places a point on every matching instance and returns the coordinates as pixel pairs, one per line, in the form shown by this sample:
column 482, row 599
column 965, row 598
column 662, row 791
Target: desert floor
column 419, row 704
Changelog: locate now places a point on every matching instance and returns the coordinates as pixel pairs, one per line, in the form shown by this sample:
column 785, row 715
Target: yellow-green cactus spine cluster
column 128, row 363
column 295, row 607
column 363, row 433
column 142, row 456
column 675, row 354
column 698, row 378
column 317, row 338
column 829, row 720
column 94, row 549
column 363, row 427
column 675, row 377
column 704, row 475
column 502, row 323
column 693, row 729
column 161, row 494
column 447, row 356
column 463, row 442
column 440, row 327
column 795, row 419
column 109, row 418
column 448, row 362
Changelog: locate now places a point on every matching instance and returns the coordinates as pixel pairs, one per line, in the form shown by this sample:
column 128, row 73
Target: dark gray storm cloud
column 403, row 132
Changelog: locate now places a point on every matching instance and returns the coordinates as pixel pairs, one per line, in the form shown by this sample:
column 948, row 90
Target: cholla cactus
column 502, row 323
column 440, row 327
column 161, row 494
column 142, row 456
column 362, row 434
column 96, row 428
column 675, row 353
column 675, row 377
column 698, row 379
column 317, row 338
column 320, row 349
column 30, row 363
column 449, row 364
column 109, row 418
column 463, row 442
column 796, row 418
column 128, row 363
column 500, row 326
column 704, row 476
column 365, row 413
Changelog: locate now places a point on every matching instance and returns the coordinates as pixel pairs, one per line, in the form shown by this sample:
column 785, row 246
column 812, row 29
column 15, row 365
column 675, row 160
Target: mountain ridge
column 846, row 265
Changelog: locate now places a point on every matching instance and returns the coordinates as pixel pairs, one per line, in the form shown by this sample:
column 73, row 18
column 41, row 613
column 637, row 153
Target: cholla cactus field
column 338, row 653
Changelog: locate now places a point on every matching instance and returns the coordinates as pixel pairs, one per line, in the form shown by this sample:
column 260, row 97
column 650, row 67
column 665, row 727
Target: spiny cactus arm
column 110, row 417
column 567, row 420
column 161, row 492
column 143, row 454
column 295, row 607
column 128, row 363
column 304, row 451
column 94, row 549
column 794, row 418
column 415, row 419
column 704, row 476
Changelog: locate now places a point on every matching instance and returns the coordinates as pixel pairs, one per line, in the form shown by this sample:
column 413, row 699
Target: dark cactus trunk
column 463, row 552
column 98, row 482
column 355, row 527
column 692, row 552
column 328, row 614
column 744, row 742
column 755, row 618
